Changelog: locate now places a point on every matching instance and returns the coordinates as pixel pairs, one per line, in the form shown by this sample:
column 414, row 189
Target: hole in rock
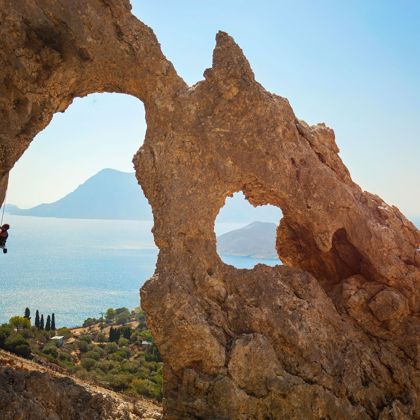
column 80, row 240
column 246, row 235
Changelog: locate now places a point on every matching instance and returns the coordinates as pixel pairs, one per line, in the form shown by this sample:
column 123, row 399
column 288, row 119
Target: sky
column 354, row 65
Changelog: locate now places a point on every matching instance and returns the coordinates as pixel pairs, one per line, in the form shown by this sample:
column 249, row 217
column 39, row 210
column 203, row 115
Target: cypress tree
column 53, row 322
column 114, row 334
column 48, row 324
column 41, row 323
column 27, row 313
column 117, row 334
column 37, row 319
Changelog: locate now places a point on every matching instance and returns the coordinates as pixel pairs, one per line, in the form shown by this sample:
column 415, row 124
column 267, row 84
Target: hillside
column 110, row 194
column 51, row 394
column 256, row 240
column 116, row 352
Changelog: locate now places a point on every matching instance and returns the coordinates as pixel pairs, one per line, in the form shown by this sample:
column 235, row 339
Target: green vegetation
column 27, row 314
column 20, row 322
column 116, row 351
column 37, row 321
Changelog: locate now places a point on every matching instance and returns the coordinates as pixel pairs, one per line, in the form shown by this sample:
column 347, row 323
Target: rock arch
column 333, row 335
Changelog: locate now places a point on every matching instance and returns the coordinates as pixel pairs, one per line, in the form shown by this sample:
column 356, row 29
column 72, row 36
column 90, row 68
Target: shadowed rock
column 333, row 334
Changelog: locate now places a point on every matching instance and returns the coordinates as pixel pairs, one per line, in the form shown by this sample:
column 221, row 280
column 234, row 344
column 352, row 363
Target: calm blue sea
column 78, row 268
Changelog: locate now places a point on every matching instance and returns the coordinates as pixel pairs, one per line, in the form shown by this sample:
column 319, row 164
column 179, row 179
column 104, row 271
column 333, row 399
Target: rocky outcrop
column 334, row 334
column 31, row 392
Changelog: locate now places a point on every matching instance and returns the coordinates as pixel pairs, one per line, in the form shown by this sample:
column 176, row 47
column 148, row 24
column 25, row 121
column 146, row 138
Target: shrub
column 83, row 346
column 122, row 310
column 99, row 373
column 140, row 316
column 122, row 315
column 23, row 350
column 42, row 336
column 111, row 347
column 116, row 357
column 82, row 374
column 122, row 319
column 158, row 377
column 123, row 342
column 20, row 322
column 105, row 365
column 100, row 349
column 67, row 364
column 130, row 367
column 146, row 335
column 124, row 353
column 28, row 333
column 90, row 321
column 93, row 354
column 134, row 338
column 16, row 343
column 75, row 368
column 86, row 337
column 63, row 356
column 110, row 314
column 50, row 349
column 88, row 363
column 146, row 388
column 5, row 331
column 118, row 382
column 100, row 337
column 151, row 354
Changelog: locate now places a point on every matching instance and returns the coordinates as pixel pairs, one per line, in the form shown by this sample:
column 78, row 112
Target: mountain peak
column 112, row 171
column 109, row 194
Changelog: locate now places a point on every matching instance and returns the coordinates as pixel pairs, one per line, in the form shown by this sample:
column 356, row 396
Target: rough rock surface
column 31, row 392
column 334, row 334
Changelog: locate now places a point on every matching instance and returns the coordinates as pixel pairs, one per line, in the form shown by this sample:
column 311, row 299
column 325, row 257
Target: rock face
column 334, row 334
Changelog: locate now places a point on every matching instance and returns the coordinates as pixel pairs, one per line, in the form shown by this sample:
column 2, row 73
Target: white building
column 59, row 339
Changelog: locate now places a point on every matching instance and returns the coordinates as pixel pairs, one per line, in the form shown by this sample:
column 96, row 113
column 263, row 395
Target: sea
column 78, row 268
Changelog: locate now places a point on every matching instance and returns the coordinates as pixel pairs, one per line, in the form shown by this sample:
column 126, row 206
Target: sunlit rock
column 336, row 327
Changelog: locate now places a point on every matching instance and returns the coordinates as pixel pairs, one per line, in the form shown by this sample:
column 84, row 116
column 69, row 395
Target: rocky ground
column 32, row 392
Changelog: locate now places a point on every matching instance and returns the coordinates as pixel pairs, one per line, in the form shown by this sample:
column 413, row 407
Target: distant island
column 256, row 240
column 112, row 194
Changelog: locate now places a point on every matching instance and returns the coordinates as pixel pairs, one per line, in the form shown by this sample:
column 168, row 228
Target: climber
column 3, row 237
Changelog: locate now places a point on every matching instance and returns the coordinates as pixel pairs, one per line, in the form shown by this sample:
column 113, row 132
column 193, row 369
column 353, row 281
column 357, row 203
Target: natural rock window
column 310, row 351
column 93, row 239
column 246, row 235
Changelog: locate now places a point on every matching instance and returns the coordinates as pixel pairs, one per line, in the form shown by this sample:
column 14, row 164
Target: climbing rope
column 4, row 207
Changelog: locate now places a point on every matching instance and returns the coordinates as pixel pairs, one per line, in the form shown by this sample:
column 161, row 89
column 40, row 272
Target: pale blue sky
column 354, row 65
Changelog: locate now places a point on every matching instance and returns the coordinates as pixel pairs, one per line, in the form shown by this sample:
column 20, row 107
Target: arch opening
column 73, row 237
column 246, row 235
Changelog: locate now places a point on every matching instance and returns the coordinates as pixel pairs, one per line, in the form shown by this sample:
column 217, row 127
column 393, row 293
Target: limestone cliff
column 334, row 333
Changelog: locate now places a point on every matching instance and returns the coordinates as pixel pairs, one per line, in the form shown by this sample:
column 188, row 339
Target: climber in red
column 3, row 237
